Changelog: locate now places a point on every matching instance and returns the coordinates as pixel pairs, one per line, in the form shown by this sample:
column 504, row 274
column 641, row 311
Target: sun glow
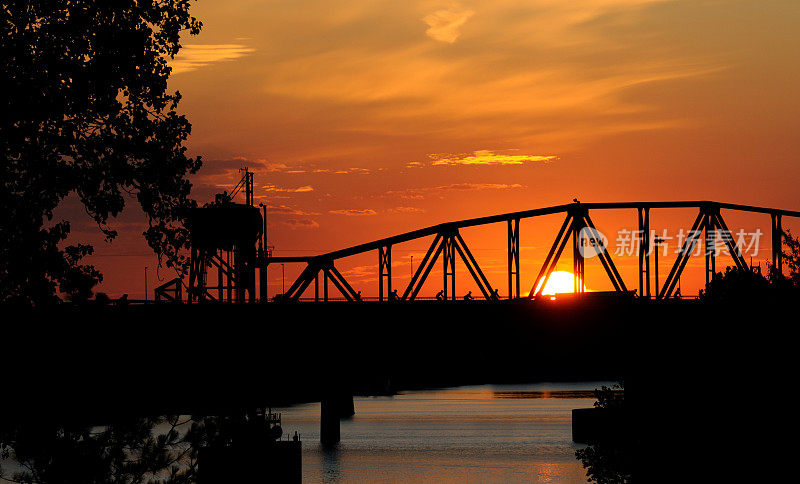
column 559, row 283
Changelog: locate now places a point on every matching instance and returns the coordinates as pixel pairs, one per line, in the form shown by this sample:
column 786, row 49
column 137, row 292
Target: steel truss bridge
column 448, row 244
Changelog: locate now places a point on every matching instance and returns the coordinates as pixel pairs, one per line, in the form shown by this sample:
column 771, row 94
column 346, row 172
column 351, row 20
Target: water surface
column 498, row 433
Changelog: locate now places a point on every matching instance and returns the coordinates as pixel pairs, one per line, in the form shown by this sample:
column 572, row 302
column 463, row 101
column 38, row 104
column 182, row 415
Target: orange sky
column 368, row 118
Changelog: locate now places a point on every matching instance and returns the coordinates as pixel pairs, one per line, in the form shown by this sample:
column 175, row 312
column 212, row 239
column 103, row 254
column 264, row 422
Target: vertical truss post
column 513, row 259
column 316, row 286
column 777, row 244
column 710, row 242
column 384, row 270
column 578, row 223
column 263, row 285
column 248, row 187
column 201, row 276
column 644, row 251
column 449, row 265
column 194, row 274
column 219, row 280
column 230, row 278
column 325, row 286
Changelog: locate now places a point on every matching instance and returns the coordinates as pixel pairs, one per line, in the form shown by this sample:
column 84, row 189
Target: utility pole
column 145, row 283
column 412, row 266
column 283, row 279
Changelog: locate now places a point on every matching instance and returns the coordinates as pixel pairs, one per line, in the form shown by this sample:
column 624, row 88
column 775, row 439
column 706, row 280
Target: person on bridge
column 358, row 296
column 469, row 297
column 393, row 296
column 440, row 295
column 495, row 295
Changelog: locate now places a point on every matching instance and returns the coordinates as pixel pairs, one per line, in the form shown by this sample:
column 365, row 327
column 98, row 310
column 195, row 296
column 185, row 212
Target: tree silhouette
column 609, row 460
column 137, row 450
column 738, row 285
column 86, row 113
column 162, row 449
column 791, row 256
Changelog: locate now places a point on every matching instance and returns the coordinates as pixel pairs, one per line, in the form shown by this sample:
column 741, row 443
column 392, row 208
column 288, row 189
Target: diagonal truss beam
column 415, row 284
column 683, row 257
column 727, row 236
column 311, row 274
column 571, row 228
column 605, row 258
column 306, row 277
column 552, row 257
column 709, row 221
column 341, row 283
column 474, row 268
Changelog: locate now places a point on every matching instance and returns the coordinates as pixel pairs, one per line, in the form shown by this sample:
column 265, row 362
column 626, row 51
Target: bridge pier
column 333, row 408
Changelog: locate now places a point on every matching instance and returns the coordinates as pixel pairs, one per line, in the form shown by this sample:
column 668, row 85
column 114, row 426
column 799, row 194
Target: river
column 492, row 433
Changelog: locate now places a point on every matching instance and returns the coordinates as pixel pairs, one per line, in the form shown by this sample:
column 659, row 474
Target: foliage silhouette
column 87, row 113
column 737, row 285
column 609, row 460
column 791, row 256
column 137, row 450
column 127, row 452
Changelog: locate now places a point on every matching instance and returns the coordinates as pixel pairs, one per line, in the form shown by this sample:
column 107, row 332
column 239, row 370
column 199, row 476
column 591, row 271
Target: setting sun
column 559, row 283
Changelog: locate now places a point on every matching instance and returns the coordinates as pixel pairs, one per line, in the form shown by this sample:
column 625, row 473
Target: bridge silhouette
column 708, row 228
column 231, row 239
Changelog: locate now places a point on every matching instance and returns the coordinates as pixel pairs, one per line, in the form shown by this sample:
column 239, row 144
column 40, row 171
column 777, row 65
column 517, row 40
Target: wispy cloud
column 406, row 210
column 287, row 210
column 487, row 157
column 235, row 164
column 533, row 72
column 343, row 171
column 479, row 186
column 361, row 273
column 193, row 57
column 443, row 25
column 305, row 223
column 419, row 193
column 273, row 188
column 354, row 212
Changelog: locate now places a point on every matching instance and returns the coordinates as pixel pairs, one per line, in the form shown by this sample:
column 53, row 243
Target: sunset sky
column 367, row 118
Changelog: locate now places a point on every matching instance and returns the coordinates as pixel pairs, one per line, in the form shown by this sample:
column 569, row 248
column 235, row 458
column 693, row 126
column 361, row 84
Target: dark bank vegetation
column 608, row 460
column 87, row 116
column 733, row 284
column 682, row 372
column 133, row 450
